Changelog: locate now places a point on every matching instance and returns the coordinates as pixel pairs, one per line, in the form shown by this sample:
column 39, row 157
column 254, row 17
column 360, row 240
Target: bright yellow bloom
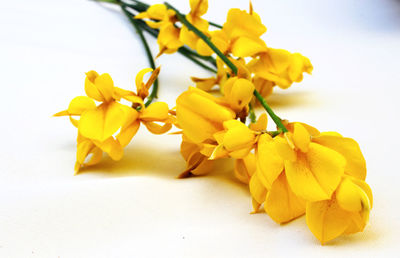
column 111, row 125
column 238, row 93
column 197, row 9
column 244, row 30
column 346, row 213
column 299, row 166
column 201, row 115
column 168, row 37
column 197, row 162
column 236, row 140
column 157, row 15
column 280, row 67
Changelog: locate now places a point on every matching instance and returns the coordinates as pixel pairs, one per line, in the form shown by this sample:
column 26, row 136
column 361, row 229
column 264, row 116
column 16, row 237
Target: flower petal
column 326, row 219
column 269, row 162
column 350, row 149
column 316, row 174
column 281, row 204
column 157, row 111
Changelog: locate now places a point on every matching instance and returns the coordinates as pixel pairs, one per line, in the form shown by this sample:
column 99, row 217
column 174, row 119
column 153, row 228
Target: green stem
column 271, row 113
column 253, row 118
column 201, row 35
column 215, row 25
column 154, row 90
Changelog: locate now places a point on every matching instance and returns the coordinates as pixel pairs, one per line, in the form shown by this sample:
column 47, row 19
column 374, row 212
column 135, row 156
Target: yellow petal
column 238, row 136
column 238, row 92
column 112, row 147
column 240, row 23
column 204, row 83
column 102, row 122
column 156, row 128
column 281, row 204
column 90, row 88
column 301, row 137
column 284, row 149
column 350, row 149
column 198, row 7
column 351, row 197
column 245, row 168
column 80, row 104
column 139, row 78
column 261, row 123
column 269, row 162
column 326, row 219
column 257, row 190
column 246, row 46
column 127, row 133
column 188, row 37
column 315, row 175
column 105, row 86
column 83, row 150
column 157, row 111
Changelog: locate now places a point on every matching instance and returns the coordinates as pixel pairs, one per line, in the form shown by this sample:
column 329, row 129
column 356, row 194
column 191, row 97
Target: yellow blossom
column 238, row 93
column 197, row 162
column 201, row 115
column 197, row 9
column 244, row 30
column 346, row 212
column 111, row 125
column 280, row 67
column 157, row 15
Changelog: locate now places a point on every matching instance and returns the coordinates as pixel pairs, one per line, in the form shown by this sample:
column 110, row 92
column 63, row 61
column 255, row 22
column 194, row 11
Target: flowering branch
column 234, row 69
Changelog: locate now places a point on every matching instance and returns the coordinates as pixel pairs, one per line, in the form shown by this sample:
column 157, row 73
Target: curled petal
column 156, row 128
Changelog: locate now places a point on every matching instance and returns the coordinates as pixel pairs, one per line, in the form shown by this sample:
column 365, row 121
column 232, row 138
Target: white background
column 137, row 207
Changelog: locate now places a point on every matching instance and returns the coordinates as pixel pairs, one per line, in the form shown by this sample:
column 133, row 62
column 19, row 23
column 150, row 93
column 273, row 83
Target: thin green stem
column 252, row 115
column 271, row 113
column 215, row 25
column 201, row 35
column 153, row 93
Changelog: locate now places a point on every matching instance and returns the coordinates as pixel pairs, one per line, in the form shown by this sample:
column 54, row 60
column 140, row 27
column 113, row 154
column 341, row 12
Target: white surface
column 136, row 207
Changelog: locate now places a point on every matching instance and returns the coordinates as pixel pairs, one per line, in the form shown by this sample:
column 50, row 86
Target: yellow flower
column 238, row 93
column 244, row 30
column 299, row 166
column 197, row 162
column 280, row 67
column 201, row 115
column 197, row 9
column 313, row 171
column 111, row 125
column 270, row 179
column 157, row 15
column 236, row 140
column 346, row 212
column 168, row 37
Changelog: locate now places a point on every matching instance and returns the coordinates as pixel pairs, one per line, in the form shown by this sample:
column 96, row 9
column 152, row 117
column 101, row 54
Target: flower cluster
column 292, row 171
column 239, row 38
column 110, row 126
